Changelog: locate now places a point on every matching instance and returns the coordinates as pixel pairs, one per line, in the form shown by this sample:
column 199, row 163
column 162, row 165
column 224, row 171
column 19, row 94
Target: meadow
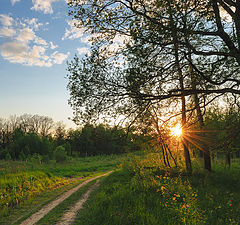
column 139, row 194
column 21, row 182
column 140, row 191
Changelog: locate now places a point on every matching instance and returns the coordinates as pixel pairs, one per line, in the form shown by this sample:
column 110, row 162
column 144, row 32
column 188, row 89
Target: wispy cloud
column 83, row 50
column 26, row 35
column 52, row 46
column 24, row 46
column 33, row 23
column 72, row 32
column 58, row 58
column 20, row 52
column 14, row 1
column 43, row 5
column 6, row 20
column 7, row 32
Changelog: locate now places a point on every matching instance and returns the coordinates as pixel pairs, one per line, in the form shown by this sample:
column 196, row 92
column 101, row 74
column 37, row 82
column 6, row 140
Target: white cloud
column 14, row 1
column 15, row 52
column 26, row 35
column 40, row 41
column 33, row 23
column 24, row 46
column 73, row 32
column 7, row 32
column 83, row 50
column 58, row 58
column 52, row 46
column 6, row 20
column 43, row 5
column 20, row 52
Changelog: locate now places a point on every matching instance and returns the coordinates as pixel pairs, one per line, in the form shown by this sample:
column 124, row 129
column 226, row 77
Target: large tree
column 159, row 38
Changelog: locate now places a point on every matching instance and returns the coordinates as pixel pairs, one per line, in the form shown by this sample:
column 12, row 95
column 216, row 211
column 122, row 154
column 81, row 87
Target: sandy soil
column 34, row 218
column 69, row 217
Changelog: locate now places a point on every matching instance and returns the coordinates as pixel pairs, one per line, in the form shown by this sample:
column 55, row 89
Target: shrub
column 8, row 156
column 22, row 156
column 60, row 154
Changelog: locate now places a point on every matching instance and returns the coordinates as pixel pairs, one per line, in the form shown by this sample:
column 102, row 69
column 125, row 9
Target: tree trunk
column 228, row 159
column 184, row 141
column 206, row 152
column 184, row 121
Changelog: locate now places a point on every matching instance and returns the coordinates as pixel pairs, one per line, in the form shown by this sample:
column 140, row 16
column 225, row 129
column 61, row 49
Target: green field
column 25, row 183
column 140, row 195
column 140, row 191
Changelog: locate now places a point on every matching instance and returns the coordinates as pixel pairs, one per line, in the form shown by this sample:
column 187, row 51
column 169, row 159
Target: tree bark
column 206, row 152
column 184, row 121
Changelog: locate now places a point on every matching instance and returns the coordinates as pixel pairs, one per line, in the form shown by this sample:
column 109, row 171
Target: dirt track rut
column 34, row 218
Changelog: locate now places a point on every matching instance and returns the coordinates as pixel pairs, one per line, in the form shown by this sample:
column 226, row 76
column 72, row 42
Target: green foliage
column 28, row 144
column 90, row 140
column 22, row 156
column 150, row 194
column 60, row 154
column 8, row 156
column 15, row 188
column 96, row 140
column 224, row 131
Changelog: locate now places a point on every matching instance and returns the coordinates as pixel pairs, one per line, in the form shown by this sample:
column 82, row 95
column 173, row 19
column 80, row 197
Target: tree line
column 28, row 135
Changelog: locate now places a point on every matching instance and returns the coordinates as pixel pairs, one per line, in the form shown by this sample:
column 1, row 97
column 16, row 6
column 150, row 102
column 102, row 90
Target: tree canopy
column 150, row 53
column 148, row 32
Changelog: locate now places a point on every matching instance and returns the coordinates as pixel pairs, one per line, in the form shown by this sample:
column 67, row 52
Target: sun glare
column 176, row 131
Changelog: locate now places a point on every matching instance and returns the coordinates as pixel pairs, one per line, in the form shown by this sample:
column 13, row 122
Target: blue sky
column 37, row 37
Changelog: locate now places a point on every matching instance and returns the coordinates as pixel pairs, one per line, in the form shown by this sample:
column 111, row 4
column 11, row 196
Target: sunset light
column 176, row 131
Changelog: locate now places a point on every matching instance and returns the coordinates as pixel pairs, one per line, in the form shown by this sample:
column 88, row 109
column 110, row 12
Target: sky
column 37, row 37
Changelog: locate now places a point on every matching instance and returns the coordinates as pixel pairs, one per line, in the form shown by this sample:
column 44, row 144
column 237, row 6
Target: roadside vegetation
column 137, row 194
column 22, row 182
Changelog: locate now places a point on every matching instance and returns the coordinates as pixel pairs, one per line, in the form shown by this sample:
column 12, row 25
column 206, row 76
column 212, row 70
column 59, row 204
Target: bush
column 8, row 156
column 46, row 158
column 60, row 154
column 22, row 156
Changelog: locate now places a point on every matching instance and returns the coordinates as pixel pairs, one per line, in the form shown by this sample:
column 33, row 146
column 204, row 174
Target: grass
column 29, row 206
column 15, row 188
column 74, row 167
column 143, row 192
column 24, row 183
column 55, row 215
column 151, row 195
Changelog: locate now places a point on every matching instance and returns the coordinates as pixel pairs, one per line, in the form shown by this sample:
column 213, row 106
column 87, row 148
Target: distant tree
column 74, row 140
column 224, row 131
column 60, row 133
column 87, row 146
column 28, row 144
column 60, row 154
column 41, row 125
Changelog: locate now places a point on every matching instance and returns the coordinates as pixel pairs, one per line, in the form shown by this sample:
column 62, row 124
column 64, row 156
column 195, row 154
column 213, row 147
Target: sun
column 176, row 131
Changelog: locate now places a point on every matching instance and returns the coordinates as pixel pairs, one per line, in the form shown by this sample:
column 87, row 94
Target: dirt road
column 34, row 218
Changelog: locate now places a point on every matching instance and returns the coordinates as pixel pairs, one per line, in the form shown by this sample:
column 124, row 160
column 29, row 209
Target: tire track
column 69, row 217
column 34, row 218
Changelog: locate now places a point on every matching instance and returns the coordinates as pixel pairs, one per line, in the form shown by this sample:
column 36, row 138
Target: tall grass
column 73, row 167
column 142, row 195
column 24, row 180
column 145, row 192
column 15, row 188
